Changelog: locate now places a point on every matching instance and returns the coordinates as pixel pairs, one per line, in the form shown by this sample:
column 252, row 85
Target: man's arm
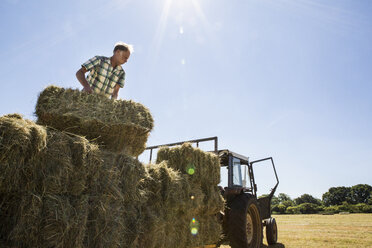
column 80, row 75
column 116, row 92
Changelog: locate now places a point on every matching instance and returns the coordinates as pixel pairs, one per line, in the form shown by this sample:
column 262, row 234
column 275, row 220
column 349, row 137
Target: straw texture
column 116, row 125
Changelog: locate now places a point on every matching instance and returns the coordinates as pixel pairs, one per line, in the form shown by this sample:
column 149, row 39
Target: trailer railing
column 197, row 141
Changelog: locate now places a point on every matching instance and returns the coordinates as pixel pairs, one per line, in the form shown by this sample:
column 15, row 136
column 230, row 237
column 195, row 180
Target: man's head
column 122, row 52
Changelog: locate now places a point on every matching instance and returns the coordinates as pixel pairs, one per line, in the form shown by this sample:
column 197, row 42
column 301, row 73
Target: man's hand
column 115, row 92
column 80, row 75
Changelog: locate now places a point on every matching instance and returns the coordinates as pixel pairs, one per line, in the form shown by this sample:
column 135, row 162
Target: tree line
column 355, row 199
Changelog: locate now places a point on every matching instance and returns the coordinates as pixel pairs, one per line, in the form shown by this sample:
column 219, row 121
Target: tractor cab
column 235, row 168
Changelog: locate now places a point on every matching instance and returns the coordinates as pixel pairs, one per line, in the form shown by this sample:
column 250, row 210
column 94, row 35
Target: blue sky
column 287, row 79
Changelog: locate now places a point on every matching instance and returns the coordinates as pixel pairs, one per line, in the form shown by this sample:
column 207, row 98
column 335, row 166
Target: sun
column 187, row 9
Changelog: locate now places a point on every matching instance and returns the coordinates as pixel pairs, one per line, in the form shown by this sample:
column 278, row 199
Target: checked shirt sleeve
column 121, row 80
column 91, row 63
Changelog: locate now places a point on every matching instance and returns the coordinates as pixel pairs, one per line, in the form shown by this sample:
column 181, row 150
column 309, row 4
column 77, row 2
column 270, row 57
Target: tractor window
column 237, row 173
column 224, row 176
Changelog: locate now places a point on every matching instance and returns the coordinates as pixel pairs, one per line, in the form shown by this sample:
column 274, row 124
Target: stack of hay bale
column 45, row 176
column 71, row 180
column 121, row 129
column 201, row 200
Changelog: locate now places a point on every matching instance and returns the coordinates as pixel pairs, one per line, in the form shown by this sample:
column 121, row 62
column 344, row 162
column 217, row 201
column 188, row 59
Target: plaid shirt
column 102, row 77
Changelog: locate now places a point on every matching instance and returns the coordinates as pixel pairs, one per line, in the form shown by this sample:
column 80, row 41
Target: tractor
column 245, row 215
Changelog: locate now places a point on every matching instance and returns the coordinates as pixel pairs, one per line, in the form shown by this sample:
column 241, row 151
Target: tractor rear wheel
column 271, row 231
column 244, row 223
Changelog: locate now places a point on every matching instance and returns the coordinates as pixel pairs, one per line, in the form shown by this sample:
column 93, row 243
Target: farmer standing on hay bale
column 106, row 76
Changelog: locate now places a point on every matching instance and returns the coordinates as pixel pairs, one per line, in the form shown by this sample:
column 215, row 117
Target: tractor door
column 265, row 202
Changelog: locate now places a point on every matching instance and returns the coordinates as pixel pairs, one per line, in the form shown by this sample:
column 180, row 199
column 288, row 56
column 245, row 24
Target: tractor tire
column 244, row 223
column 271, row 231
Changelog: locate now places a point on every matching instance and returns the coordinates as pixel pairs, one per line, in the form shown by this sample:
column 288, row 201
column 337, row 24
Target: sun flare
column 182, row 12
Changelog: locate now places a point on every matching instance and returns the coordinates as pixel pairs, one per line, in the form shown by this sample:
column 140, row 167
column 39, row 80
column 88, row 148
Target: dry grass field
column 339, row 230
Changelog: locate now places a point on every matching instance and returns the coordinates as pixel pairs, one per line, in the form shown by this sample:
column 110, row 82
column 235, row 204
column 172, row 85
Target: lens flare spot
column 192, row 197
column 194, row 226
column 190, row 169
column 181, row 30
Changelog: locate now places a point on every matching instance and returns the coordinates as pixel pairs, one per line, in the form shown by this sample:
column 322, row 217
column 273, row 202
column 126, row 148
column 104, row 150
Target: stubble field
column 339, row 230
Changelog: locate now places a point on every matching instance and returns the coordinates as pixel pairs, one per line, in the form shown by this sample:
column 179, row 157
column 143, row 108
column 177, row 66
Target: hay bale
column 173, row 201
column 116, row 125
column 178, row 231
column 63, row 221
column 116, row 202
column 198, row 165
column 168, row 200
column 68, row 165
column 46, row 193
column 213, row 201
column 44, row 161
column 20, row 141
column 169, row 191
column 208, row 231
column 20, row 219
column 201, row 170
column 104, row 223
column 154, row 226
column 45, row 221
column 127, row 173
column 4, row 244
column 27, row 216
column 8, row 215
column 163, row 230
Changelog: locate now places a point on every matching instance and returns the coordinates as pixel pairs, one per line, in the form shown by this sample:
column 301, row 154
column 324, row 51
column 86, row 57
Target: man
column 106, row 76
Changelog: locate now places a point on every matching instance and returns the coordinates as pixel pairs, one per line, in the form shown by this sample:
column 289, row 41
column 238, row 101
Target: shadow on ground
column 277, row 245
